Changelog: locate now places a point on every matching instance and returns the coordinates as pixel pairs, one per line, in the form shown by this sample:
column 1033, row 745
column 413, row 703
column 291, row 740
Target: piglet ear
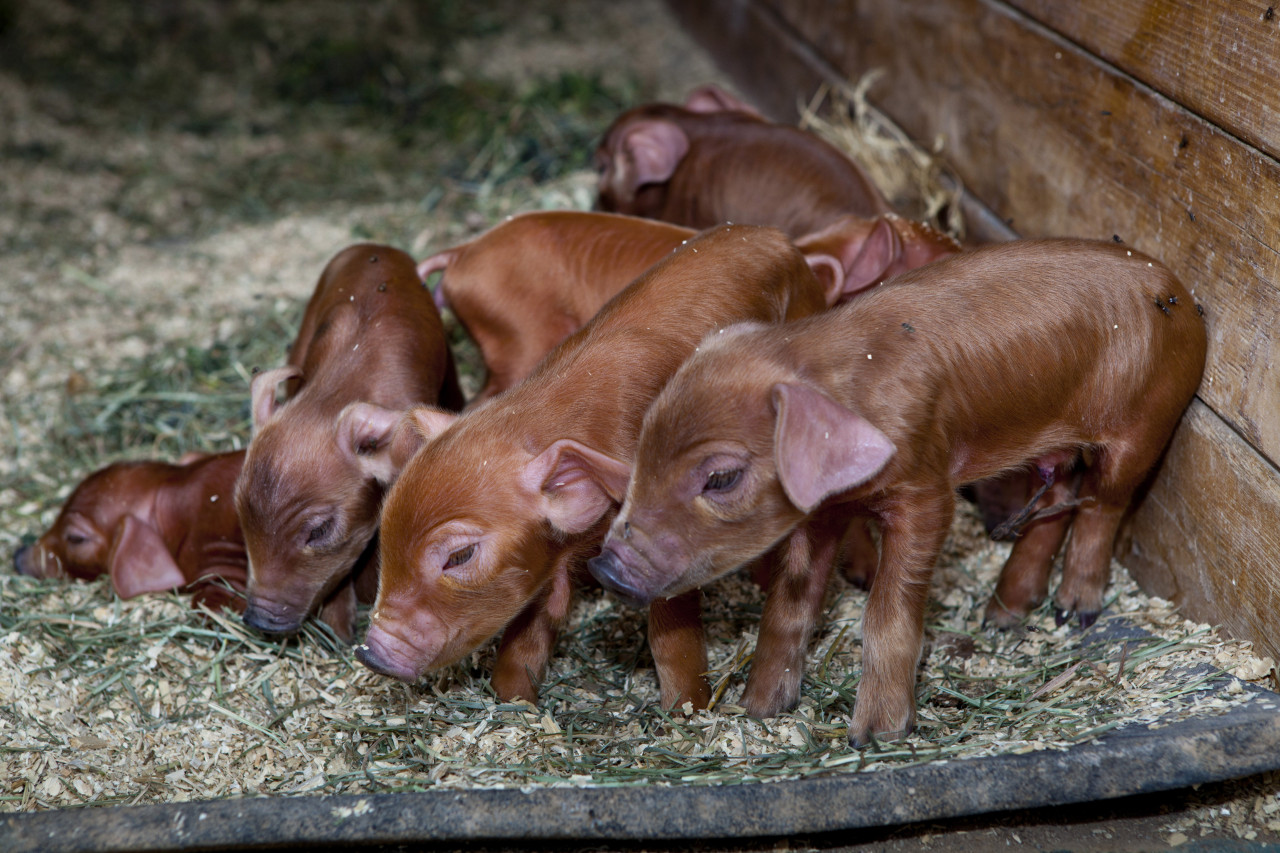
column 712, row 99
column 364, row 432
column 262, row 392
column 414, row 429
column 654, row 148
column 821, row 448
column 577, row 484
column 851, row 254
column 139, row 561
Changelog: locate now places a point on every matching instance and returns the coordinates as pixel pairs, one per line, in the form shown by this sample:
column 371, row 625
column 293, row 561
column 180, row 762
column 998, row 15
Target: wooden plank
column 1059, row 143
column 1214, row 506
column 1215, row 57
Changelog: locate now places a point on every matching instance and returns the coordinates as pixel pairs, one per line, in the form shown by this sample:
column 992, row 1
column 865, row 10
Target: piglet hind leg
column 528, row 640
column 1024, row 580
column 679, row 648
column 791, row 609
column 1112, row 480
column 912, row 533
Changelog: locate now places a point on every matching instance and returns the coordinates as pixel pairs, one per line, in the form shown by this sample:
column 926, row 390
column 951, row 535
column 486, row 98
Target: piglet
column 370, row 346
column 530, row 282
column 1049, row 354
column 489, row 520
column 152, row 527
column 697, row 165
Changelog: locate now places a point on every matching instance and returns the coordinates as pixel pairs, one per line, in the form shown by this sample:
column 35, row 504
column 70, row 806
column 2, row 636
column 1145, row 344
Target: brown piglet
column 496, row 511
column 702, row 164
column 152, row 527
column 528, row 283
column 1052, row 354
column 371, row 345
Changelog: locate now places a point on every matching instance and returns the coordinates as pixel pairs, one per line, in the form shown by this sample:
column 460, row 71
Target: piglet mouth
column 270, row 619
column 613, row 569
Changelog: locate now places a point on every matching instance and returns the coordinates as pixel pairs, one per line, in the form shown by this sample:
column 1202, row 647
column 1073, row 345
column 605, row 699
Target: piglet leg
column 1024, row 580
column 679, row 649
column 791, row 610
column 528, row 640
column 858, row 554
column 912, row 533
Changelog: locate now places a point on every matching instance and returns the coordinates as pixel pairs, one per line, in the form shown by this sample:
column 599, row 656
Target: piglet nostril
column 626, row 530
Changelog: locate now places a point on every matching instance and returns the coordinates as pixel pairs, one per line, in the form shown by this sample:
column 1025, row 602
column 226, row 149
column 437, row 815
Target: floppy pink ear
column 139, row 561
column 868, row 264
column 364, row 432
column 712, row 99
column 262, row 392
column 820, row 447
column 415, row 428
column 577, row 484
column 655, row 148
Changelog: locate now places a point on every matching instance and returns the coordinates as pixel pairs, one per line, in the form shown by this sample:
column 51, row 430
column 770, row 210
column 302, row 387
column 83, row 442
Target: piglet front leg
column 912, row 533
column 679, row 648
column 792, row 604
column 528, row 640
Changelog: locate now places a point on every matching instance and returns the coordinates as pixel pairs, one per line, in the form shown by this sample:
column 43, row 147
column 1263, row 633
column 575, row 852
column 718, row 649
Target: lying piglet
column 370, row 346
column 530, row 282
column 1041, row 353
column 153, row 527
column 703, row 166
column 490, row 518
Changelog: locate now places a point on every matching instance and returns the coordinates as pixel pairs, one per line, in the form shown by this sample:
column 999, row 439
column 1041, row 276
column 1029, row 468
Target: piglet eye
column 460, row 556
column 721, row 481
column 73, row 538
column 320, row 531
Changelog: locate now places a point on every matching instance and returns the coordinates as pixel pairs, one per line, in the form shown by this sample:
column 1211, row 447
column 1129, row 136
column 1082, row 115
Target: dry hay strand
column 106, row 702
column 918, row 183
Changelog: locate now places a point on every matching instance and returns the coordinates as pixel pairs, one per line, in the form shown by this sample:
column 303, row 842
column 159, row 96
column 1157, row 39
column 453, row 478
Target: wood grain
column 1214, row 508
column 1215, row 57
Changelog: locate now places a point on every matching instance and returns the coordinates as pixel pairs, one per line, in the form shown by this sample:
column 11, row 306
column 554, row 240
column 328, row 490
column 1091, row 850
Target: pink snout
column 386, row 654
column 270, row 617
column 620, row 570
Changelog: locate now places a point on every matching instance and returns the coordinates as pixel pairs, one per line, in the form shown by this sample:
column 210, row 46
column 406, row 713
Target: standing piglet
column 371, row 345
column 1046, row 354
column 487, row 523
column 702, row 164
column 528, row 283
column 152, row 527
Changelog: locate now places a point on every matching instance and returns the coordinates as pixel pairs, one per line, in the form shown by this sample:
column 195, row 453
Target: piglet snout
column 613, row 575
column 381, row 653
column 22, row 561
column 262, row 617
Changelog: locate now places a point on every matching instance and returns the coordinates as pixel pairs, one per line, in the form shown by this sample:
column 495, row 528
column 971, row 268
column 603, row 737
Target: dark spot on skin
column 908, row 327
column 382, row 288
column 1183, row 142
column 1106, row 112
column 1270, row 13
column 1173, row 300
column 1199, row 309
column 373, row 259
column 1160, row 304
column 1115, row 238
column 1192, row 215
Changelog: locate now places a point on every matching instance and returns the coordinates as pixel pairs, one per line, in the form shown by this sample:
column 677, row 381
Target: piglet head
column 640, row 151
column 471, row 536
column 308, row 499
column 108, row 526
column 733, row 454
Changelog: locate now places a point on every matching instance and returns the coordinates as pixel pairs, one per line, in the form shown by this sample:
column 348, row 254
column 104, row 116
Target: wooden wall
column 1154, row 121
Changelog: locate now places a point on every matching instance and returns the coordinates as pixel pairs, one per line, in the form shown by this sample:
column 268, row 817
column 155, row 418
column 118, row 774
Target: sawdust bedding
column 106, row 702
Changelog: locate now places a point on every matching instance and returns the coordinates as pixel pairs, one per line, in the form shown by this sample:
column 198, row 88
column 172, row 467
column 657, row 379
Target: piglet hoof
column 1000, row 617
column 769, row 697
column 1085, row 617
column 867, row 732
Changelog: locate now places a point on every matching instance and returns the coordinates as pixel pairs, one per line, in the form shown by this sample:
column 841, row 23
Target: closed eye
column 320, row 532
column 722, row 481
column 460, row 556
column 73, row 538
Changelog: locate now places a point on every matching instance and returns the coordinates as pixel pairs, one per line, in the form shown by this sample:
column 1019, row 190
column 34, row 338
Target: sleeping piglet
column 489, row 520
column 152, row 527
column 370, row 346
column 528, row 283
column 702, row 164
column 1041, row 354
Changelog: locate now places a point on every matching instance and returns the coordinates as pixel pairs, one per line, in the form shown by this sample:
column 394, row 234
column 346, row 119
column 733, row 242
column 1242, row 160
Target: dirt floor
column 173, row 176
